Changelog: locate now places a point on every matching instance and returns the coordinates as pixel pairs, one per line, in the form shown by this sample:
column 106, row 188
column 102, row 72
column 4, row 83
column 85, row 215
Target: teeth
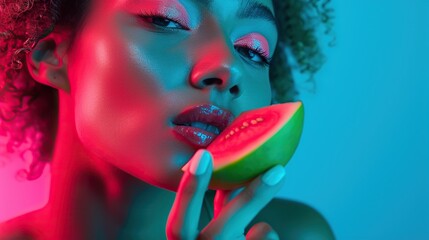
column 199, row 125
column 209, row 128
column 213, row 129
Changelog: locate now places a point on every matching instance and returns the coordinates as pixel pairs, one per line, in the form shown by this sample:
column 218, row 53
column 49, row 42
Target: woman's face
column 137, row 64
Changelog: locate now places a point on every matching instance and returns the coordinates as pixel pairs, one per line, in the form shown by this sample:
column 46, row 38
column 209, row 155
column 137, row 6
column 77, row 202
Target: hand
column 233, row 209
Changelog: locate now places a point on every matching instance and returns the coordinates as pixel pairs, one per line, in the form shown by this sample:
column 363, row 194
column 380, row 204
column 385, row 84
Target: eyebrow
column 251, row 9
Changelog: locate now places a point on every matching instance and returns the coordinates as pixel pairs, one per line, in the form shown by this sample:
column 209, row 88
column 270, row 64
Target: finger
column 238, row 213
column 222, row 198
column 183, row 219
column 262, row 231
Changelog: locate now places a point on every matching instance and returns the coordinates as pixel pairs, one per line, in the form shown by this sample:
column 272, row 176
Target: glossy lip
column 205, row 113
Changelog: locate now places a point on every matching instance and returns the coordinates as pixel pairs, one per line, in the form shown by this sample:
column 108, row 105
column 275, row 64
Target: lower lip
column 196, row 137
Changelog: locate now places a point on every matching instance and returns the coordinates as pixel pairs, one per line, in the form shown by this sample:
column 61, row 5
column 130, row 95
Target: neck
column 90, row 195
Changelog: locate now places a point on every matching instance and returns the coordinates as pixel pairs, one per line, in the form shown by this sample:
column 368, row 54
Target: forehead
column 210, row 4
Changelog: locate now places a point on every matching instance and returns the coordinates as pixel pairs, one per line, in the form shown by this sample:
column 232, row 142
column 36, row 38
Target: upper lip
column 205, row 113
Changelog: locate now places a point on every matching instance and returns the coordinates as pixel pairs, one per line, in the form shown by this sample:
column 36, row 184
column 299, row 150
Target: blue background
column 363, row 161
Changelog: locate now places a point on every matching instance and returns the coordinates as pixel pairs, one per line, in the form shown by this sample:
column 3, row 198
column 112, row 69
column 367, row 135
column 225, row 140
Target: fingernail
column 273, row 236
column 200, row 163
column 274, row 175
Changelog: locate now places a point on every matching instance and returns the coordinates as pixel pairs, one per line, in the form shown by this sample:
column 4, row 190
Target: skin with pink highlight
column 116, row 168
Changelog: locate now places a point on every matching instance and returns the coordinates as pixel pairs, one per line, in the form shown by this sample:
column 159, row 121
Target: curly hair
column 28, row 109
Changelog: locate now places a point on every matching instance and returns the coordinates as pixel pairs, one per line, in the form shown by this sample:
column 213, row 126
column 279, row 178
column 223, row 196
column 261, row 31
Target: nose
column 214, row 66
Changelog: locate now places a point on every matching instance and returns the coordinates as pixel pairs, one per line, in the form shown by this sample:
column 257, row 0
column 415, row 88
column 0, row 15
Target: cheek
column 256, row 93
column 262, row 89
column 117, row 99
column 110, row 118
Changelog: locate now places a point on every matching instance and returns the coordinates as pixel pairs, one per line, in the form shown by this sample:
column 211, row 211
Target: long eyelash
column 152, row 14
column 262, row 53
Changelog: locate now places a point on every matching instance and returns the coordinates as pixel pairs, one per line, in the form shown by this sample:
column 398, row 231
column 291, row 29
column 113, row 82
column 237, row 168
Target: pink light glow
column 18, row 197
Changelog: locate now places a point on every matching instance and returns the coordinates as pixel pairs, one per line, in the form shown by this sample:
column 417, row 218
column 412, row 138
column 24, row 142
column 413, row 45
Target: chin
column 168, row 181
column 172, row 182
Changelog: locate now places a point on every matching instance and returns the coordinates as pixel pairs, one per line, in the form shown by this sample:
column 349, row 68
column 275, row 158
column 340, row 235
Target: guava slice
column 256, row 141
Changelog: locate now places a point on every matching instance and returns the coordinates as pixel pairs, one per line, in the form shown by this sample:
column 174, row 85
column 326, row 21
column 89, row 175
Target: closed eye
column 164, row 22
column 257, row 55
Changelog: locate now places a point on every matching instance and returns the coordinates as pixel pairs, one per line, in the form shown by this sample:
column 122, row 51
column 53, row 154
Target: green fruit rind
column 276, row 146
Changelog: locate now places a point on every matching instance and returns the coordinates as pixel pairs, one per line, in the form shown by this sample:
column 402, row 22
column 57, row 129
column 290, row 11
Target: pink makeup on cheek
column 255, row 41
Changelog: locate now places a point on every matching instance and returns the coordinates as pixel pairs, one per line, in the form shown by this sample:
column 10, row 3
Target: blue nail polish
column 274, row 175
column 200, row 163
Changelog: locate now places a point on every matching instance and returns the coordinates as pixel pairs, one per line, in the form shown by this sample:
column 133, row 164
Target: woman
column 98, row 86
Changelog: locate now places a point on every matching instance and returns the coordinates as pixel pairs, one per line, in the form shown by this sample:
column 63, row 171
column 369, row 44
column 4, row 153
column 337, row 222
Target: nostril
column 234, row 90
column 211, row 81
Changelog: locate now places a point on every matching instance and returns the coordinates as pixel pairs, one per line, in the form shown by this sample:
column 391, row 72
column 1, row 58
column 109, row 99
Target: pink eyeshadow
column 255, row 40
